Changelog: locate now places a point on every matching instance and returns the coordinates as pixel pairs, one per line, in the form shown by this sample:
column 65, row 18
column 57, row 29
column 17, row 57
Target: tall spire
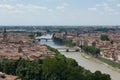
column 4, row 35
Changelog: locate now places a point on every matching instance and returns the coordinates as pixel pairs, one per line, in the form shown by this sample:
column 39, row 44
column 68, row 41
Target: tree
column 99, row 76
column 51, row 68
column 91, row 49
column 104, row 37
column 32, row 35
column 39, row 33
column 27, row 70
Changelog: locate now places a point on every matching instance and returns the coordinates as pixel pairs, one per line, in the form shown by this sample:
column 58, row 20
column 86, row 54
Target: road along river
column 87, row 62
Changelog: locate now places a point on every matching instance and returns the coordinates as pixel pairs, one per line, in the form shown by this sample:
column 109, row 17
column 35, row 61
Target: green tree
column 39, row 33
column 29, row 70
column 91, row 49
column 99, row 76
column 9, row 67
column 104, row 37
column 51, row 68
column 32, row 35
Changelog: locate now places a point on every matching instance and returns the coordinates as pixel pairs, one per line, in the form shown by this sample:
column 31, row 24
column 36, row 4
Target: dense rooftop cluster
column 16, row 45
column 109, row 47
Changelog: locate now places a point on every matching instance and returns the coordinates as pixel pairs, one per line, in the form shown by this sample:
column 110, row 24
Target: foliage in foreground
column 50, row 68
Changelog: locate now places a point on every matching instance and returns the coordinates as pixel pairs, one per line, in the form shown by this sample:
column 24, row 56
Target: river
column 89, row 63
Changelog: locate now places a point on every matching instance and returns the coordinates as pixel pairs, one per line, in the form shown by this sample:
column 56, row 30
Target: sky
column 60, row 12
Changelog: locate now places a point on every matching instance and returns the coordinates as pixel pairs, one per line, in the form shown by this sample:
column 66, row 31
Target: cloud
column 102, row 5
column 66, row 4
column 62, row 7
column 21, row 7
column 112, row 0
column 92, row 9
column 6, row 6
column 7, row 0
column 118, row 5
column 30, row 7
column 105, row 8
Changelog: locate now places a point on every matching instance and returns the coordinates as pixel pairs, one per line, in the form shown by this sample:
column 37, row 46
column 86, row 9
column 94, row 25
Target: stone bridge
column 69, row 49
column 44, row 37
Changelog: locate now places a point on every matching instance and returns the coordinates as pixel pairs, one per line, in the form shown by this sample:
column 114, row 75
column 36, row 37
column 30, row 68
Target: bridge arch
column 44, row 37
column 69, row 49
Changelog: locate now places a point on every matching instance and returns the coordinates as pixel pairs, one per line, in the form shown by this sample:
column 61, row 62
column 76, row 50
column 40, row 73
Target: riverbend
column 87, row 61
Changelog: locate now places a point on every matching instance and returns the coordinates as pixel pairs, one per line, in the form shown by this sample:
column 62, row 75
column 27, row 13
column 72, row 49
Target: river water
column 89, row 63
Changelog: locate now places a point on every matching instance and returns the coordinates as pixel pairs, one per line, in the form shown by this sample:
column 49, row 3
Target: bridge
column 44, row 37
column 69, row 49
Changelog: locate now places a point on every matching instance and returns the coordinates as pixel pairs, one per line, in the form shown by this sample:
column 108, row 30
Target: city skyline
column 59, row 12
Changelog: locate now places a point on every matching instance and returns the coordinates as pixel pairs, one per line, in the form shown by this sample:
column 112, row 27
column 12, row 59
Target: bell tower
column 4, row 35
